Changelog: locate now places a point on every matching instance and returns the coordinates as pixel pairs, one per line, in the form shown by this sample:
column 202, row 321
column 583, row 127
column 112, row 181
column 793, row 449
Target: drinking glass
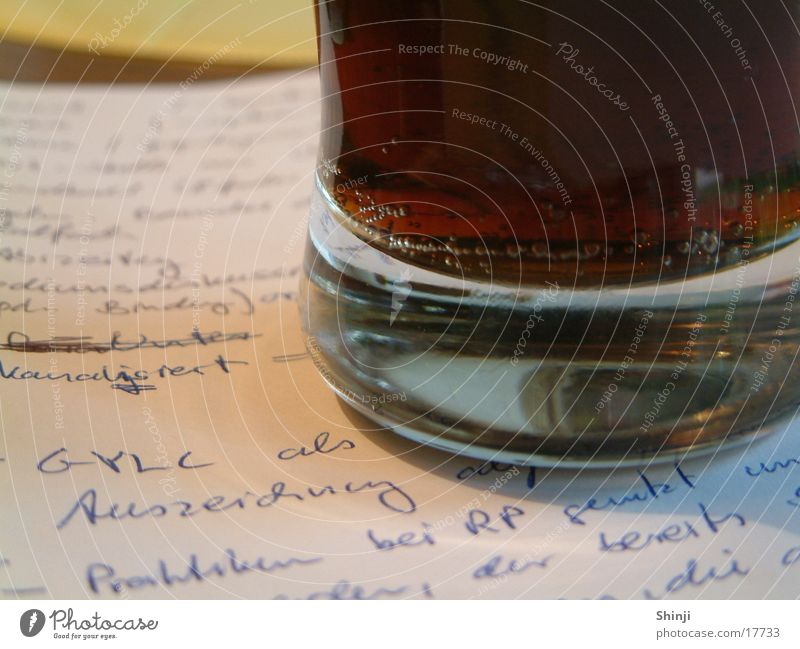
column 558, row 232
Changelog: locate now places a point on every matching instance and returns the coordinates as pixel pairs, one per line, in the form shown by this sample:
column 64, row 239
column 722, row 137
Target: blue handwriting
column 389, row 495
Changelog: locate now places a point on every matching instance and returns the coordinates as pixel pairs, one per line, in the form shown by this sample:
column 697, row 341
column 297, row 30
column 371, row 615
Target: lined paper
column 165, row 434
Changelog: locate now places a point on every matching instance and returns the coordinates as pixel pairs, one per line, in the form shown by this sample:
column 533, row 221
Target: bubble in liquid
column 736, row 228
column 711, row 242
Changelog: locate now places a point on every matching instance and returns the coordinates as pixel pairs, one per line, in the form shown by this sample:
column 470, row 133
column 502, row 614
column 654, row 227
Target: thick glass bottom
column 553, row 375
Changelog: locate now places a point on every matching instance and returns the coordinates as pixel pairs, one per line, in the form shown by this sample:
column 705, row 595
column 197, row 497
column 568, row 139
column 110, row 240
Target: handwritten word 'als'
column 322, row 445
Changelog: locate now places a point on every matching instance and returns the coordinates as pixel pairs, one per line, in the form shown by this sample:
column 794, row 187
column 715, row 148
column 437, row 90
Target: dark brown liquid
column 574, row 174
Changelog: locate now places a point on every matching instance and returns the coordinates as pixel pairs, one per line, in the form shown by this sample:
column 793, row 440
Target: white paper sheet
column 133, row 216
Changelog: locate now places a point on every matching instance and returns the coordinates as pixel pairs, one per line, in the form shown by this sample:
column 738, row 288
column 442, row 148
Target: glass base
column 552, row 375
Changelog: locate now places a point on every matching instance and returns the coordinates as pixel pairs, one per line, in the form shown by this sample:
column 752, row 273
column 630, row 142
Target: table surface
column 22, row 62
column 234, row 33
